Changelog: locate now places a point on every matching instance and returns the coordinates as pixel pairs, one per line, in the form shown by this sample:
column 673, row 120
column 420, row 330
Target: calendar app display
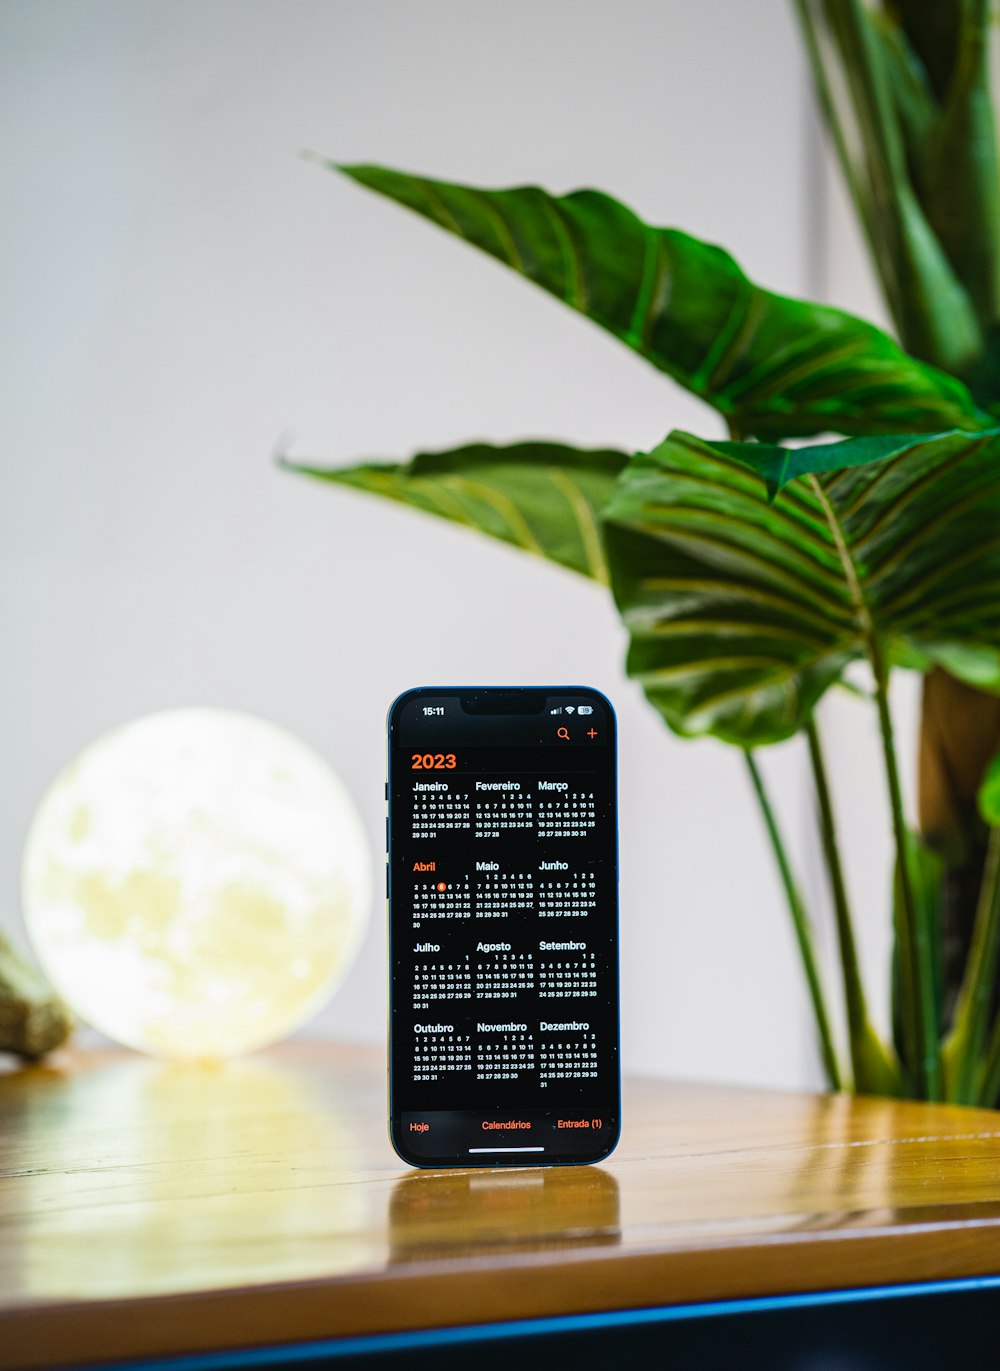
column 503, row 925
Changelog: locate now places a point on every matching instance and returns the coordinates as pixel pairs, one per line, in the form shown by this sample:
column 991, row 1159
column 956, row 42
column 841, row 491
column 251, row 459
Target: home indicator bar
column 506, row 1149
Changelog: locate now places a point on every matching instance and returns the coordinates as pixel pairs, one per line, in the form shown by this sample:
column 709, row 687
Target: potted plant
column 852, row 515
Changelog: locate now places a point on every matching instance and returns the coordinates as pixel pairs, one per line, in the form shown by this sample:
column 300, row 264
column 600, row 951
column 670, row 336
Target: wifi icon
column 570, row 708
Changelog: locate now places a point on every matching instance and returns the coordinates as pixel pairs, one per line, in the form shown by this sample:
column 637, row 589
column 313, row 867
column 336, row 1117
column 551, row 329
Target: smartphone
column 502, row 883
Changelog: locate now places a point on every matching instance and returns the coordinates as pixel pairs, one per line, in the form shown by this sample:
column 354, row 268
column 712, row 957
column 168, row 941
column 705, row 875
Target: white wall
column 180, row 289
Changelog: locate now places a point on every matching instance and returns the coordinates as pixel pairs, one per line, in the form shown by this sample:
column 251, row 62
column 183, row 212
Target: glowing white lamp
column 196, row 883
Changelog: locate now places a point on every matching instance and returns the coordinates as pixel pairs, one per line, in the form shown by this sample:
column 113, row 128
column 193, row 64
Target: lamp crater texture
column 196, row 883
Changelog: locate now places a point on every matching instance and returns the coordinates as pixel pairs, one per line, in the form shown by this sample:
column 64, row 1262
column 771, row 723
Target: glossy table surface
column 149, row 1209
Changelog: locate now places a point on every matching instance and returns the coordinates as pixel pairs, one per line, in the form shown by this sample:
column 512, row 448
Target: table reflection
column 462, row 1213
column 177, row 1174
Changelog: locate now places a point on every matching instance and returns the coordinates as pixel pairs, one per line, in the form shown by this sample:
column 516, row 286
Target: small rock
column 33, row 1020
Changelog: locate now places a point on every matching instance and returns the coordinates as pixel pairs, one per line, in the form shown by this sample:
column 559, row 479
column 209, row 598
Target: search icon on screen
column 562, row 733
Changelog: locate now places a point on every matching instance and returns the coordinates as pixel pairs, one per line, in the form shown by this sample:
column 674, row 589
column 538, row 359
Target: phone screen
column 503, row 926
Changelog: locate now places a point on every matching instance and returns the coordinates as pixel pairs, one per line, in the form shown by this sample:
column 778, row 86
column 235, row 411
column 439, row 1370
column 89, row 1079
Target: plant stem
column 800, row 921
column 964, row 1047
column 864, row 1040
column 989, row 1074
column 917, row 954
column 874, row 1071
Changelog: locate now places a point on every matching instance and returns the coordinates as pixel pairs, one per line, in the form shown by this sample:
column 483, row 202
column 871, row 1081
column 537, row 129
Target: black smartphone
column 502, row 882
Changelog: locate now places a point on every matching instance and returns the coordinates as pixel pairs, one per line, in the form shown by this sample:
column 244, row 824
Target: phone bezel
column 484, row 693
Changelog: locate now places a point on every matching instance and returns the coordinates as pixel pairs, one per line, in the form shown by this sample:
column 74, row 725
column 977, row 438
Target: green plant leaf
column 989, row 794
column 857, row 77
column 960, row 184
column 742, row 610
column 984, row 380
column 933, row 32
column 542, row 497
column 774, row 366
column 912, row 96
column 781, row 465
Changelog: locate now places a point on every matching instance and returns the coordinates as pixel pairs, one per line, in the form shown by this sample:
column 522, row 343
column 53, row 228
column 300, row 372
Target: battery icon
column 585, row 709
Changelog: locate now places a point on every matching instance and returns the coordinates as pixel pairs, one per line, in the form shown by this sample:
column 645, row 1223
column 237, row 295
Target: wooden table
column 149, row 1210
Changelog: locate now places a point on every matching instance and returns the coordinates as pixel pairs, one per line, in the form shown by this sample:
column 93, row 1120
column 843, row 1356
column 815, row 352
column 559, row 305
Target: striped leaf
column 541, row 497
column 743, row 606
column 775, row 367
